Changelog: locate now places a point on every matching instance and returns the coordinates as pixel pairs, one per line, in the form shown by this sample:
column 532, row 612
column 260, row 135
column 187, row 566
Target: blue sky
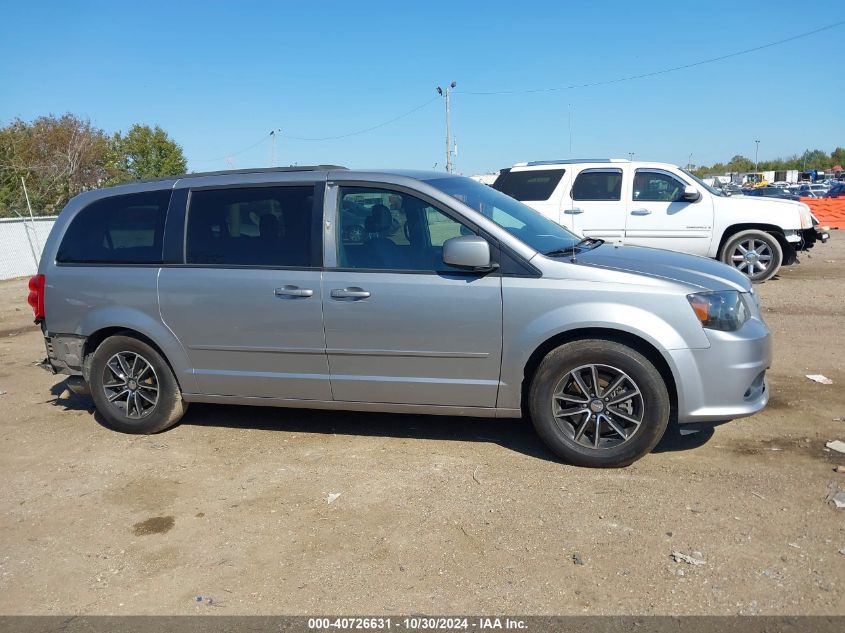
column 219, row 76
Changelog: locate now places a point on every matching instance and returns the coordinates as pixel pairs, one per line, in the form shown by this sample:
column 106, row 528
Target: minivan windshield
column 521, row 221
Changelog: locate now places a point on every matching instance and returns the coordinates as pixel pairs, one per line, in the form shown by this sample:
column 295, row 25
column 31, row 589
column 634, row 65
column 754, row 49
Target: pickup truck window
column 657, row 186
column 534, row 186
column 598, row 184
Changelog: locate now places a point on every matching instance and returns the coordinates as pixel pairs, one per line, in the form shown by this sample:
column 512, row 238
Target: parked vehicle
column 664, row 206
column 836, row 191
column 771, row 192
column 816, row 188
column 153, row 295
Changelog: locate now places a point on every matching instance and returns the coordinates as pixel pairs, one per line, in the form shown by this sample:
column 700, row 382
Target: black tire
column 143, row 418
column 772, row 249
column 613, row 361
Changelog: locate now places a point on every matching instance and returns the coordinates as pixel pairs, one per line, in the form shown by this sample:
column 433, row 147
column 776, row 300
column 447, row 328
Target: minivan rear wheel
column 756, row 254
column 599, row 403
column 133, row 388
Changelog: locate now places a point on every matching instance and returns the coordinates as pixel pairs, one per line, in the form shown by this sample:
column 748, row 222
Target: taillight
column 36, row 296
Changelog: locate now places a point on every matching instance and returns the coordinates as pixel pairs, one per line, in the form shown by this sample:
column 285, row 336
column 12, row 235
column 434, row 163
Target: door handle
column 350, row 293
column 574, row 211
column 641, row 212
column 293, row 292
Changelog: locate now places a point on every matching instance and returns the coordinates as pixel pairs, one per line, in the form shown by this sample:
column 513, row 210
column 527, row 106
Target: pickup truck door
column 660, row 217
column 594, row 206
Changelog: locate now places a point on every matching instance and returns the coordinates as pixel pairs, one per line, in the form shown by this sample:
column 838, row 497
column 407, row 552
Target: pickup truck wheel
column 598, row 403
column 756, row 254
column 133, row 388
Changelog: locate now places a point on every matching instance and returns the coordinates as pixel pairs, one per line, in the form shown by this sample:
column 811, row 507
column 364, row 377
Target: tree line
column 59, row 157
column 810, row 159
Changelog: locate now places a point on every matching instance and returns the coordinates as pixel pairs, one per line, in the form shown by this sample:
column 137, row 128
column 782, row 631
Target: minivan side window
column 251, row 226
column 657, row 186
column 126, row 229
column 388, row 230
column 598, row 184
column 532, row 186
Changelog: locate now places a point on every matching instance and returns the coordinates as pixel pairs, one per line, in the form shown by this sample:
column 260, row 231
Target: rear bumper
column 65, row 353
column 727, row 380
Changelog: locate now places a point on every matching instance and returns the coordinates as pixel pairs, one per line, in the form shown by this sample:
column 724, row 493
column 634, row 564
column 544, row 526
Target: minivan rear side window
column 533, row 186
column 251, row 226
column 125, row 229
column 598, row 184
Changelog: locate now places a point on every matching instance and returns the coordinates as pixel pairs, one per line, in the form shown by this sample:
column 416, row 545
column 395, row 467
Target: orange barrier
column 829, row 211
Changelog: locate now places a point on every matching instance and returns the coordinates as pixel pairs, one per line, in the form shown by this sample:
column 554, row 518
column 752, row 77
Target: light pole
column 756, row 153
column 631, row 156
column 273, row 134
column 446, row 94
column 689, row 162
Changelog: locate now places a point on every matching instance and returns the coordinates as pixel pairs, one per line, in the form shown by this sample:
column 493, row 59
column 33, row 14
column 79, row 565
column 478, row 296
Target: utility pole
column 273, row 134
column 446, row 94
column 756, row 153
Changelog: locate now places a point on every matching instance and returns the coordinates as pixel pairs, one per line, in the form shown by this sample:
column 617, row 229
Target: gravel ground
column 435, row 515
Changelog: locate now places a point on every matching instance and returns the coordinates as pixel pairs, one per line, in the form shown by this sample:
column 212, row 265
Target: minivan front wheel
column 133, row 388
column 756, row 254
column 599, row 403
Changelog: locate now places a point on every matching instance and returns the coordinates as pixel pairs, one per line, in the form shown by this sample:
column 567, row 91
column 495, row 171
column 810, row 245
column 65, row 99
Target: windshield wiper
column 571, row 249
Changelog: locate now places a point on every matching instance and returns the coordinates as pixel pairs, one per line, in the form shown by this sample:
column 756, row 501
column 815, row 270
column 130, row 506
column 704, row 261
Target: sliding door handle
column 574, row 211
column 641, row 212
column 293, row 292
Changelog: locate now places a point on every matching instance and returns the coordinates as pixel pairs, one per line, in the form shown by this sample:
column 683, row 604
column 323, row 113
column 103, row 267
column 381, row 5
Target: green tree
column 145, row 152
column 837, row 156
column 57, row 156
column 740, row 163
column 815, row 159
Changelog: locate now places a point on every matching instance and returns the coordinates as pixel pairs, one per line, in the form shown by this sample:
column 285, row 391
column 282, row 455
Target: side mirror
column 467, row 251
column 691, row 194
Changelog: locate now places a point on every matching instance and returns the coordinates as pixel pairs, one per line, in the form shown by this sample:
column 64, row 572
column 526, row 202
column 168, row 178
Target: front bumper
column 726, row 380
column 805, row 239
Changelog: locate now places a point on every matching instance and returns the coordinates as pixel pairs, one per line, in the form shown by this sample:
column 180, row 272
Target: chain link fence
column 21, row 243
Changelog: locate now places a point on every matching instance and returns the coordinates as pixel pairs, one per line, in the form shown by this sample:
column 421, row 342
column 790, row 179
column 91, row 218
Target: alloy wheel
column 130, row 384
column 752, row 257
column 598, row 406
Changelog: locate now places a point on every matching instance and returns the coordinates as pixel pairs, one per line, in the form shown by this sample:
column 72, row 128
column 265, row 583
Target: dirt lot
column 436, row 515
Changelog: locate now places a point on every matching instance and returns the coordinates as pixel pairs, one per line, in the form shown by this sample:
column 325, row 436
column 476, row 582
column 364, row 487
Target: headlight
column 806, row 217
column 725, row 310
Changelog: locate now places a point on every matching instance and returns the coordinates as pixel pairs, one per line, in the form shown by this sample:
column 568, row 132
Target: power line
column 365, row 130
column 266, row 137
column 663, row 71
column 233, row 154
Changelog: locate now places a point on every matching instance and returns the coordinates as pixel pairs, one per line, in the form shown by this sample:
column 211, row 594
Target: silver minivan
column 396, row 291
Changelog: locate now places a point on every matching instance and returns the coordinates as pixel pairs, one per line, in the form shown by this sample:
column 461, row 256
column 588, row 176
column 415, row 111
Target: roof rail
column 254, row 170
column 569, row 161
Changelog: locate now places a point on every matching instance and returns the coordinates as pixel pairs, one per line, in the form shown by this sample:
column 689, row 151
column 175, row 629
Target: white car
column 664, row 206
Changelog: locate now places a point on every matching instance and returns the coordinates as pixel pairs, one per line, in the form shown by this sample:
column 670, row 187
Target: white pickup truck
column 664, row 206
